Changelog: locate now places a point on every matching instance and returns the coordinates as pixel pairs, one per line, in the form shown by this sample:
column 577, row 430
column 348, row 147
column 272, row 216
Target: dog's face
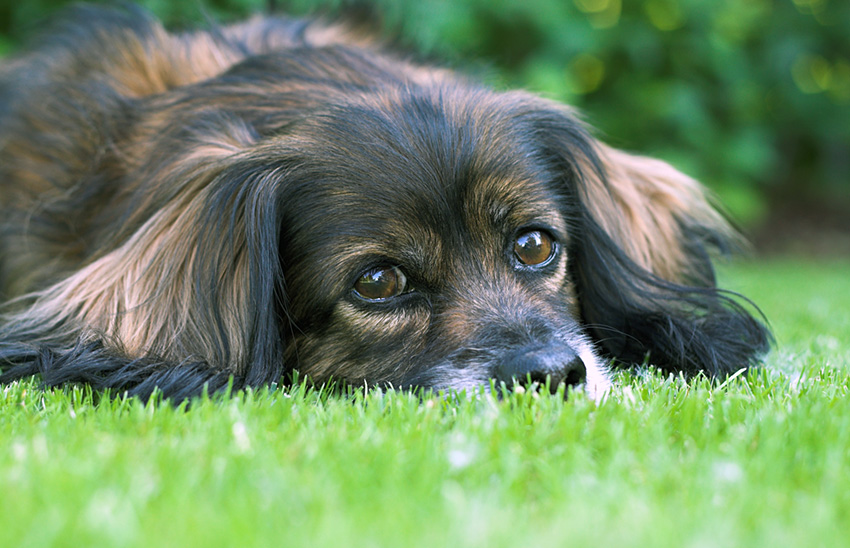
column 426, row 246
column 202, row 210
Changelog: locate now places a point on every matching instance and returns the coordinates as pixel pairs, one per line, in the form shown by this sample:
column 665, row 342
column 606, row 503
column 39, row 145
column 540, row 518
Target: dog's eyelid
column 554, row 227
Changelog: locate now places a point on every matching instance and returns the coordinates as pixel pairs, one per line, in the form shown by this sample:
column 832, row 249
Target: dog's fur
column 188, row 211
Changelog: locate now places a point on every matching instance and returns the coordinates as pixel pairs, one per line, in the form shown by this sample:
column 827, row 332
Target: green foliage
column 750, row 97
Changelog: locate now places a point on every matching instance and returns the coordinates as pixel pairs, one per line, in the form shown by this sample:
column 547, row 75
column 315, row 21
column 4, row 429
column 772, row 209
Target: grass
column 761, row 461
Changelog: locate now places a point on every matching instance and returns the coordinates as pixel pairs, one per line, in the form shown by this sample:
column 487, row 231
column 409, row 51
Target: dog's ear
column 190, row 298
column 659, row 217
column 641, row 260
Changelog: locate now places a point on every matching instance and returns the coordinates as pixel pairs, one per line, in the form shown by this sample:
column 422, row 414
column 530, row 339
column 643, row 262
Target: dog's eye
column 381, row 283
column 534, row 248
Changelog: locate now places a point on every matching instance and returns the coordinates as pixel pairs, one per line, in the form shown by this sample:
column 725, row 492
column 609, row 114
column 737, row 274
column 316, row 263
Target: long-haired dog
column 220, row 208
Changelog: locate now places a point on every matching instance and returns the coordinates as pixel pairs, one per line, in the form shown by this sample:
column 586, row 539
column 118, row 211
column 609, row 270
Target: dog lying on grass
column 223, row 207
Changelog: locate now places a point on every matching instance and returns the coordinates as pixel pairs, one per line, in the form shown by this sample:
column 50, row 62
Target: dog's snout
column 558, row 364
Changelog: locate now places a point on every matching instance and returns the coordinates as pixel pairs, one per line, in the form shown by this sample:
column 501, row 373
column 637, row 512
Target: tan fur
column 136, row 296
column 141, row 299
column 644, row 206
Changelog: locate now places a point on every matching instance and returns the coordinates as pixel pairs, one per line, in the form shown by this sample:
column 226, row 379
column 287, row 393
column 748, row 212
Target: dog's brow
column 408, row 244
column 512, row 203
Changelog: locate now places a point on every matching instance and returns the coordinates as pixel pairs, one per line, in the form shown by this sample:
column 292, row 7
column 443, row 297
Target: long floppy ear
column 643, row 268
column 191, row 300
column 656, row 215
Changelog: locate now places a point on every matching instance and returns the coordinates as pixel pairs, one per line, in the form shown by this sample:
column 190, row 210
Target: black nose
column 535, row 364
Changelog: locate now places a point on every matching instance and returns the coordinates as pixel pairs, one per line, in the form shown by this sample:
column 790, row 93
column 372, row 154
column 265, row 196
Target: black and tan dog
column 190, row 210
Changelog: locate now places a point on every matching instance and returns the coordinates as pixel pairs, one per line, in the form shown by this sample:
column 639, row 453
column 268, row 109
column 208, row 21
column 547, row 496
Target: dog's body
column 187, row 211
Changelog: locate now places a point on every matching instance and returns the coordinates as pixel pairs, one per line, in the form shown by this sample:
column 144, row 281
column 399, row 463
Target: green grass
column 762, row 461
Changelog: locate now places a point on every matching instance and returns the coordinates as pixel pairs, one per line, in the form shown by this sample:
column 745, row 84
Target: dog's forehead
column 417, row 182
column 427, row 156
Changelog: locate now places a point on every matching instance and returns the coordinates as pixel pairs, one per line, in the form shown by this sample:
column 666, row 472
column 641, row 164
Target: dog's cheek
column 356, row 345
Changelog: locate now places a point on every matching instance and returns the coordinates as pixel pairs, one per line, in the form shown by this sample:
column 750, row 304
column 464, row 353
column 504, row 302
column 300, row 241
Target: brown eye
column 381, row 283
column 534, row 248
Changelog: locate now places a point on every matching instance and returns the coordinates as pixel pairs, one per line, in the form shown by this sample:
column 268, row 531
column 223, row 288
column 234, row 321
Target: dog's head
column 427, row 238
column 333, row 210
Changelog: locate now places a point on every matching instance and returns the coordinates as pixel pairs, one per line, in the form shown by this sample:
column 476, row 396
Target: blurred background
column 752, row 97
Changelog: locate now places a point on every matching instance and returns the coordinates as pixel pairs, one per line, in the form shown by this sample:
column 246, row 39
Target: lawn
column 760, row 461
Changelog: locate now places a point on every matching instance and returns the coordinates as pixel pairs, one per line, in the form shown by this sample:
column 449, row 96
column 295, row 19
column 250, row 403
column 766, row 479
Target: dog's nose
column 536, row 364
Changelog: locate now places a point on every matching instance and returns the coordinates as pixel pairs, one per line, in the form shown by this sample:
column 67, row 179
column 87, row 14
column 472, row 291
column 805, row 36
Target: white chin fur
column 597, row 383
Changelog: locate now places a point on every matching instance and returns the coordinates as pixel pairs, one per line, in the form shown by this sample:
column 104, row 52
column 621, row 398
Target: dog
column 217, row 209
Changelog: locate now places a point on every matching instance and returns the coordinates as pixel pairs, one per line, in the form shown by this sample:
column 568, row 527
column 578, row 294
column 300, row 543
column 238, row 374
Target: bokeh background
column 750, row 96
